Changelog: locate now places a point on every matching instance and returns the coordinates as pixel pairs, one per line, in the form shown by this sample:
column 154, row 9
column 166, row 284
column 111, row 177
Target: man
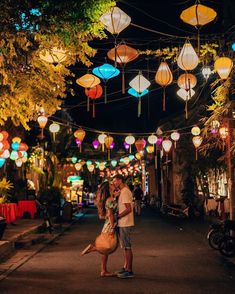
column 125, row 224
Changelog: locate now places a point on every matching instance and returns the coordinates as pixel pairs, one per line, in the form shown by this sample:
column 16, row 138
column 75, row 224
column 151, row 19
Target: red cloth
column 27, row 206
column 9, row 211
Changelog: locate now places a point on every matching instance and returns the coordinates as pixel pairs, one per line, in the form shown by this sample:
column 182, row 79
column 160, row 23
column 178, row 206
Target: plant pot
column 3, row 225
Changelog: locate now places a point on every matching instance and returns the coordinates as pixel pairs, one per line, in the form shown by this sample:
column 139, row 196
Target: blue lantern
column 15, row 146
column 134, row 93
column 233, row 46
column 2, row 161
column 106, row 72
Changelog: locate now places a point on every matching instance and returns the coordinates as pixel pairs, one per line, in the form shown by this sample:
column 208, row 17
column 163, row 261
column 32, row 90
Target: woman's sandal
column 87, row 249
column 107, row 274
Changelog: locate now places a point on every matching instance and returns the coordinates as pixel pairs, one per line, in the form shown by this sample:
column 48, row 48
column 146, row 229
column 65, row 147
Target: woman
column 107, row 209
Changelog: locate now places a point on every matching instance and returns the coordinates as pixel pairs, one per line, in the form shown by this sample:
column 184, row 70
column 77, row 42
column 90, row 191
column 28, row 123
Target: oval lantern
column 74, row 159
column 130, row 140
column 187, row 81
column 152, row 139
column 42, row 121
column 23, row 147
column 123, row 54
column 140, row 144
column 223, row 131
column 138, row 156
column 93, row 94
column 53, row 55
column 16, row 140
column 197, row 141
column 101, row 139
column 6, row 154
column 114, row 163
column 167, row 144
column 1, row 136
column 95, row 144
column 223, row 66
column 115, row 20
column 108, row 141
column 195, row 131
column 4, row 134
column 175, row 136
column 78, row 166
column 91, row 167
column 15, row 146
column 188, row 59
column 101, row 166
column 18, row 162
column 54, row 128
column 80, row 134
column 150, row 149
column 164, row 78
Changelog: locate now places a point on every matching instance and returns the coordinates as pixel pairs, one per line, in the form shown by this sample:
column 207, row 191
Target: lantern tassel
column 102, row 147
column 93, row 110
column 88, row 104
column 123, row 81
column 186, row 109
column 164, row 99
column 108, row 154
column 130, row 149
column 105, row 94
column 196, row 155
column 167, row 164
column 80, row 148
column 139, row 107
column 42, row 135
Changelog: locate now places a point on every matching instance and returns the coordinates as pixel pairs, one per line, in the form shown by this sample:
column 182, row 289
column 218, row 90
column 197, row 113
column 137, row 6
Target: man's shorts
column 124, row 237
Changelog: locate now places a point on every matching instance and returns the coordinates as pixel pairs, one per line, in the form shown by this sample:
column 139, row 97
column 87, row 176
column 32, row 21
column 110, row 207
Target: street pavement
column 170, row 256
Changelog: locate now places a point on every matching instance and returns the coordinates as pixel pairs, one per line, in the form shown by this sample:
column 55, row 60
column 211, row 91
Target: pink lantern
column 95, row 144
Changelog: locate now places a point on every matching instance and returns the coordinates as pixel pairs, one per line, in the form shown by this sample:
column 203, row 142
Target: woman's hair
column 104, row 194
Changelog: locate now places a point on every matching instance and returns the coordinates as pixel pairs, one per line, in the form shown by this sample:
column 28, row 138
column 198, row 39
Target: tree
column 28, row 28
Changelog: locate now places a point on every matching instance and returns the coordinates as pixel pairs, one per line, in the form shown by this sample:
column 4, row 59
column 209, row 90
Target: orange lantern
column 123, row 54
column 80, row 135
column 108, row 141
column 188, row 58
column 197, row 141
column 88, row 81
column 78, row 166
column 140, row 145
column 223, row 66
column 150, row 149
column 164, row 78
column 93, row 94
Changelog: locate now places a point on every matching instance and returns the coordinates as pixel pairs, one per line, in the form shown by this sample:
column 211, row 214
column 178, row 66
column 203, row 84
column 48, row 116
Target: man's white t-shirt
column 124, row 198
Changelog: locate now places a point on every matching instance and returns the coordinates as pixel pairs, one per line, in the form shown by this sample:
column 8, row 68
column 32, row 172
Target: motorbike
column 219, row 231
column 227, row 246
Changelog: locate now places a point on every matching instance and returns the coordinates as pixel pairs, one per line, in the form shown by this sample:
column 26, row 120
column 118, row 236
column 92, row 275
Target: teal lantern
column 14, row 155
column 2, row 161
column 114, row 162
column 106, row 72
column 74, row 159
column 15, row 146
column 131, row 157
column 138, row 95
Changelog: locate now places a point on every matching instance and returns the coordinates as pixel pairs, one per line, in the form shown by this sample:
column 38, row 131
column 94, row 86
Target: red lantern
column 140, row 144
column 93, row 94
column 5, row 134
column 6, row 144
column 23, row 147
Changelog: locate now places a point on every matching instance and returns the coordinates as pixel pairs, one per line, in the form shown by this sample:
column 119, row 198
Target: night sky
column 120, row 114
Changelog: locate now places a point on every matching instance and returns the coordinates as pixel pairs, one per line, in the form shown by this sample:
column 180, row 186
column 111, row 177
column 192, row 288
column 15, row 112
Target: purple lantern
column 159, row 141
column 126, row 146
column 112, row 145
column 95, row 144
column 214, row 131
column 78, row 142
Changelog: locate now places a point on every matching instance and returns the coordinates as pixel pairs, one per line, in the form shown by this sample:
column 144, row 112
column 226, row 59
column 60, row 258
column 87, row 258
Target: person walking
column 107, row 209
column 138, row 196
column 125, row 225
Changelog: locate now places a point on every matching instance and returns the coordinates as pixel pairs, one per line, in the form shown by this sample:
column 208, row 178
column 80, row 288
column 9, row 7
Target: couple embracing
column 116, row 205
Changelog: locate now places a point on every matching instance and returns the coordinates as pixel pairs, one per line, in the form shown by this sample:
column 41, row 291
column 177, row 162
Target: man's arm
column 126, row 211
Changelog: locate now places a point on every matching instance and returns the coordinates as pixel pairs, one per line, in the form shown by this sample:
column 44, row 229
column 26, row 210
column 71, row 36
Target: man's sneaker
column 126, row 275
column 121, row 271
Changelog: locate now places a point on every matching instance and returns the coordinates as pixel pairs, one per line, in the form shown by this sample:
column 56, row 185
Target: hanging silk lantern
column 175, row 136
column 138, row 156
column 159, row 141
column 134, row 93
column 79, row 134
column 150, row 149
column 91, row 167
column 95, row 144
column 185, row 95
column 187, row 81
column 167, row 144
column 5, row 135
column 53, row 55
column 223, row 66
column 195, row 131
column 197, row 141
column 101, row 166
column 106, row 72
column 164, row 78
column 126, row 160
column 126, row 146
column 140, row 144
column 42, row 121
column 101, row 139
column 206, row 71
column 14, row 155
column 114, row 163
column 15, row 146
column 152, row 139
column 18, row 162
column 223, row 131
column 214, row 126
column 93, row 94
column 23, row 147
column 108, row 141
column 139, row 84
column 123, row 54
column 88, row 81
column 115, row 20
column 6, row 154
column 74, row 159
column 2, row 161
column 130, row 140
column 78, row 166
column 188, row 59
column 1, row 136
column 54, row 128
column 16, row 140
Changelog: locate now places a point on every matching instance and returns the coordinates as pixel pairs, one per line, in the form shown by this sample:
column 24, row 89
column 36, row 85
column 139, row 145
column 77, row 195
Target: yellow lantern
column 53, row 55
column 197, row 141
column 80, row 134
column 126, row 160
column 88, row 81
column 175, row 136
column 130, row 140
column 101, row 166
column 78, row 166
column 198, row 15
column 108, row 141
column 150, row 149
column 167, row 144
column 187, row 81
column 164, row 78
column 223, row 66
column 188, row 59
column 195, row 131
column 115, row 20
column 91, row 168
column 54, row 128
column 152, row 139
column 138, row 156
column 16, row 140
column 42, row 121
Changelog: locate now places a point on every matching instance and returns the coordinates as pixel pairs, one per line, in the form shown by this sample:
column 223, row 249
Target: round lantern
column 123, row 54
column 115, row 20
column 130, row 140
column 4, row 134
column 42, row 121
column 53, row 55
column 167, row 144
column 6, row 154
column 23, row 147
column 223, row 131
column 14, row 155
column 101, row 139
column 80, row 134
column 150, row 149
column 175, row 136
column 78, row 166
column 138, row 155
column 140, row 144
column 164, row 78
column 187, row 81
column 223, row 66
column 197, row 141
column 188, row 59
column 152, row 139
column 93, row 94
column 126, row 146
column 74, row 159
column 1, row 136
column 95, row 144
column 15, row 146
column 126, row 160
column 195, row 131
column 54, row 128
column 16, row 140
column 91, row 168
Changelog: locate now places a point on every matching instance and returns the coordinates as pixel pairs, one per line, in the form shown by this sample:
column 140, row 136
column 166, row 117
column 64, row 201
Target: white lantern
column 185, row 95
column 166, row 144
column 188, row 58
column 115, row 20
column 175, row 136
column 197, row 141
column 53, row 55
column 152, row 139
column 42, row 121
column 101, row 138
column 6, row 154
column 206, row 71
column 54, row 128
column 91, row 167
column 195, row 131
column 139, row 83
column 18, row 162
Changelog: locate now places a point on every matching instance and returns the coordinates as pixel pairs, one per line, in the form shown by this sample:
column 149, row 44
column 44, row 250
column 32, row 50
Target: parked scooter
column 227, row 246
column 218, row 231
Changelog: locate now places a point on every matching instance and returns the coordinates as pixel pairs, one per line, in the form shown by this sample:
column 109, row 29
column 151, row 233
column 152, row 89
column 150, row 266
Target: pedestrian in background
column 138, row 197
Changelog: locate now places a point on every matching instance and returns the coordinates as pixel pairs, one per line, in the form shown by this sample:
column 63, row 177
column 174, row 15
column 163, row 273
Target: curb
column 44, row 245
